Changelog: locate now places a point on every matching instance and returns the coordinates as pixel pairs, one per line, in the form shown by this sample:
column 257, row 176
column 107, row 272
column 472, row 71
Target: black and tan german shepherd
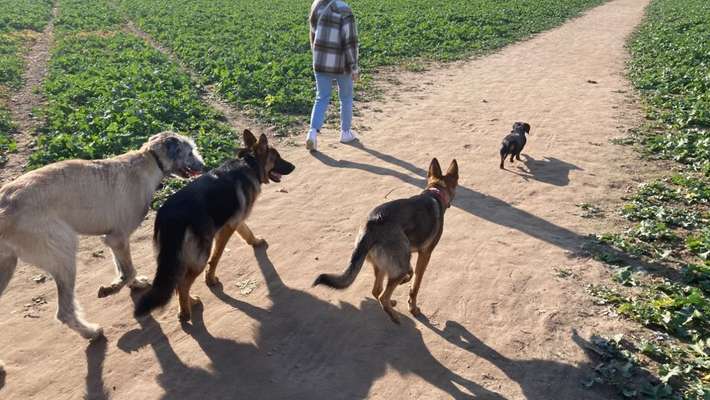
column 208, row 209
column 394, row 231
column 514, row 143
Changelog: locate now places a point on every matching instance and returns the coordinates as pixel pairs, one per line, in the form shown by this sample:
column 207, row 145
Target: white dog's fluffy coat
column 43, row 212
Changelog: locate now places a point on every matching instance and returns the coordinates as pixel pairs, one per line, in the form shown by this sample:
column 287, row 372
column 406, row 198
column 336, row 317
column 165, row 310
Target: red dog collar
column 441, row 195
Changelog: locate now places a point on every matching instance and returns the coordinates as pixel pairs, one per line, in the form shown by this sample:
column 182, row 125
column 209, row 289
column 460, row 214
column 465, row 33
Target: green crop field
column 257, row 54
column 670, row 66
column 669, row 216
column 16, row 17
column 108, row 90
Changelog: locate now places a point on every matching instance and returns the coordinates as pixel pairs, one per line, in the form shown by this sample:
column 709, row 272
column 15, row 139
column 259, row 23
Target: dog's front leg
column 220, row 242
column 248, row 236
column 422, row 262
column 125, row 272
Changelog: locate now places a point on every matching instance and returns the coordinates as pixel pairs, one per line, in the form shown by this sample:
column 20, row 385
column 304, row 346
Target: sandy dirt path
column 498, row 321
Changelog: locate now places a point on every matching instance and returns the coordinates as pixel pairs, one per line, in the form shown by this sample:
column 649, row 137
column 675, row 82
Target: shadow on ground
column 538, row 379
column 497, row 211
column 473, row 202
column 305, row 348
column 549, row 170
column 95, row 356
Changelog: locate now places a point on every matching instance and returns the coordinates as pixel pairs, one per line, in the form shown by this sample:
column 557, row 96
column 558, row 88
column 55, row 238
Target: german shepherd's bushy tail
column 169, row 237
column 356, row 261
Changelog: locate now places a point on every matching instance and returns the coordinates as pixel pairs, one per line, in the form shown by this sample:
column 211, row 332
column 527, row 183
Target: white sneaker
column 347, row 136
column 312, row 140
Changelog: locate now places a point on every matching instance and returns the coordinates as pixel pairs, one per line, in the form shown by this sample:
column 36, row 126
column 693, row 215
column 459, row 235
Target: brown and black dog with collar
column 202, row 216
column 394, row 231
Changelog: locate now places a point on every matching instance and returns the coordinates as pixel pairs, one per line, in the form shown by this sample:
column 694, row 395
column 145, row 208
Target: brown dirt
column 23, row 102
column 499, row 320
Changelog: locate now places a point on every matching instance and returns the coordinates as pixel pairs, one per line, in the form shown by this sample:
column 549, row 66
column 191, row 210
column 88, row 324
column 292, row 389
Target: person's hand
column 356, row 76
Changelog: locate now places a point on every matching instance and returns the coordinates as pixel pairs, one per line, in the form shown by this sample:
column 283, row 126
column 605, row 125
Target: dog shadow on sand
column 305, row 348
column 487, row 207
column 548, row 170
column 95, row 356
column 500, row 212
column 538, row 379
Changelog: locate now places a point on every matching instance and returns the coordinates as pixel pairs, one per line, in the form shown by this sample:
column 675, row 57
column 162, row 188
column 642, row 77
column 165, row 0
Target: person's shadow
column 471, row 201
column 497, row 211
column 293, row 356
column 538, row 379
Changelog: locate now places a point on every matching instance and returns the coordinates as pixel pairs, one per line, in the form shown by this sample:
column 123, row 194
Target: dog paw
column 258, row 242
column 105, row 291
column 415, row 310
column 140, row 282
column 211, row 280
column 93, row 333
column 184, row 316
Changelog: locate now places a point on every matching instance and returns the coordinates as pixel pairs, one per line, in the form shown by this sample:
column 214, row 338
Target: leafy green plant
column 699, row 243
column 258, row 57
column 16, row 18
column 669, row 65
column 109, row 93
column 16, row 15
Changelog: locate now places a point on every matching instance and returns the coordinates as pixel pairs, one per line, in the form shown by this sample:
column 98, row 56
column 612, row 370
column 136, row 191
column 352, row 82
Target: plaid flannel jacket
column 333, row 37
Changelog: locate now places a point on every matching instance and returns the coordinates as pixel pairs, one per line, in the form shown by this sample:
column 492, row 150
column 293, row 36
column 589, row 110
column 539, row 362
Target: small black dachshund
column 514, row 143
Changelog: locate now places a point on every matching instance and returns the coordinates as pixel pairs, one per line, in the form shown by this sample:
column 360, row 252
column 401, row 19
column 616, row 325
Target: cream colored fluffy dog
column 43, row 212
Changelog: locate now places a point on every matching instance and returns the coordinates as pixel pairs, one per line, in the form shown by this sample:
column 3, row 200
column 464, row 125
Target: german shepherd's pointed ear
column 249, row 139
column 263, row 145
column 453, row 171
column 434, row 169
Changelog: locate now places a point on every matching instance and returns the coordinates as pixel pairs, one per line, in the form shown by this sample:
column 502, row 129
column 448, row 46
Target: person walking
column 334, row 43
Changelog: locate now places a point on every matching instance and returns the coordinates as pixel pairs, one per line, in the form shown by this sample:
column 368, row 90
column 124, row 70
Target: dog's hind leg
column 422, row 262
column 248, row 236
column 379, row 280
column 186, row 302
column 61, row 264
column 125, row 272
column 386, row 298
column 8, row 263
column 220, row 242
column 68, row 310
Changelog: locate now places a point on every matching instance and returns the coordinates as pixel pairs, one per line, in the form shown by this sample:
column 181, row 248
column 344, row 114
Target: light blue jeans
column 324, row 87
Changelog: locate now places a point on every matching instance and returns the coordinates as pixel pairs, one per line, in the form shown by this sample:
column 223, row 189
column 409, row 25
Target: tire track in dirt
column 26, row 99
